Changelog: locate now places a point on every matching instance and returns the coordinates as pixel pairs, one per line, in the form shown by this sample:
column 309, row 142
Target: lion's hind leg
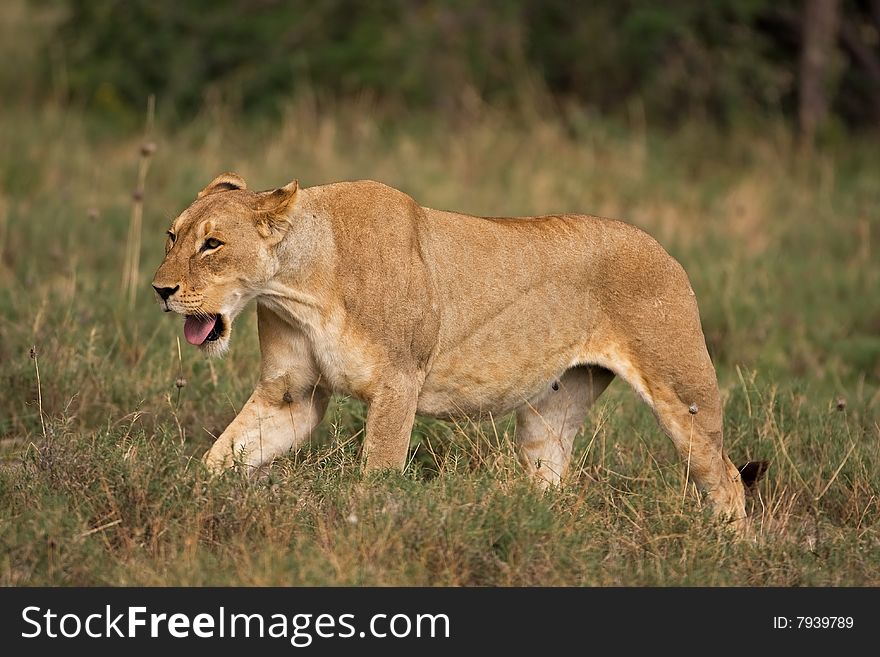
column 547, row 424
column 683, row 393
column 694, row 425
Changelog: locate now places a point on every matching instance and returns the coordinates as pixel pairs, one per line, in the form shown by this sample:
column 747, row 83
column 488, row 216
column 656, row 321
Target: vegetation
column 98, row 484
column 681, row 119
column 727, row 61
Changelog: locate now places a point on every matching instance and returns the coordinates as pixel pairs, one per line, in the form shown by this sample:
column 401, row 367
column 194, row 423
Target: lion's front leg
column 390, row 417
column 272, row 422
column 284, row 409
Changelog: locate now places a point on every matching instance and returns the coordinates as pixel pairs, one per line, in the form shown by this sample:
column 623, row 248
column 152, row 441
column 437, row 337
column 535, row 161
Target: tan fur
column 362, row 291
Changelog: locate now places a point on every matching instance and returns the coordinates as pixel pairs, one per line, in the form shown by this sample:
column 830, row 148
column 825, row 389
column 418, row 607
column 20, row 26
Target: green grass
column 782, row 252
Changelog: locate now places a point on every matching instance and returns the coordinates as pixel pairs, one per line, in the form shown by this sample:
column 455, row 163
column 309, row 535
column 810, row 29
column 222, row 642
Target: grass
column 98, row 484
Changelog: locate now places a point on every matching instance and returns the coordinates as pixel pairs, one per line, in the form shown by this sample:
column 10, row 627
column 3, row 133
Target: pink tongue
column 196, row 329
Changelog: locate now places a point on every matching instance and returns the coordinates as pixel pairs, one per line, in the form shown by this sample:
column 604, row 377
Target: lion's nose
column 166, row 292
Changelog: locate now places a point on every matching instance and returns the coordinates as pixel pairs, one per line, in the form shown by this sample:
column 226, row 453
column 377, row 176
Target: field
column 103, row 421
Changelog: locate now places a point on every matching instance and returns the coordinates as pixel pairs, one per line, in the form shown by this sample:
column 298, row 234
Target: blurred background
column 812, row 63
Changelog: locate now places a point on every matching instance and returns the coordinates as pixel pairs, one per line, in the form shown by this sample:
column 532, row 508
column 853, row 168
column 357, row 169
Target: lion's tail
column 751, row 472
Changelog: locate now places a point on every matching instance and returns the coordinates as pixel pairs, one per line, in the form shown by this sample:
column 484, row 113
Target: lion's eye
column 211, row 243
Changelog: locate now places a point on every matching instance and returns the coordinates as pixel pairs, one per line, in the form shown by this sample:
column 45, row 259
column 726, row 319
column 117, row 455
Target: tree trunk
column 819, row 29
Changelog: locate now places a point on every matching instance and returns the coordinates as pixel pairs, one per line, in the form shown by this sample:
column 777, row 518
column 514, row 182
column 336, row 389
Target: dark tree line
column 725, row 60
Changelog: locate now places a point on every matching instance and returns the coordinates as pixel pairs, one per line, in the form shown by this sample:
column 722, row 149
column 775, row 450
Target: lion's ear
column 273, row 210
column 225, row 182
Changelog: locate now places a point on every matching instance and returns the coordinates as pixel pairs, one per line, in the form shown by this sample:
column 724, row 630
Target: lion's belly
column 500, row 347
column 447, row 400
column 480, row 377
column 492, row 353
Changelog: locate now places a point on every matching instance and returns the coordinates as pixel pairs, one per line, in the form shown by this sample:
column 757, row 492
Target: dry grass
column 131, row 268
column 781, row 252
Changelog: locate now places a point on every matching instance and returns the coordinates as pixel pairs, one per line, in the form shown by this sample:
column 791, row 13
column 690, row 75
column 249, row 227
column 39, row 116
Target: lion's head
column 219, row 256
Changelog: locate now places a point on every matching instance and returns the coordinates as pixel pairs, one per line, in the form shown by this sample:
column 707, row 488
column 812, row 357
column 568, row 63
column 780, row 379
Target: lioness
column 361, row 290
